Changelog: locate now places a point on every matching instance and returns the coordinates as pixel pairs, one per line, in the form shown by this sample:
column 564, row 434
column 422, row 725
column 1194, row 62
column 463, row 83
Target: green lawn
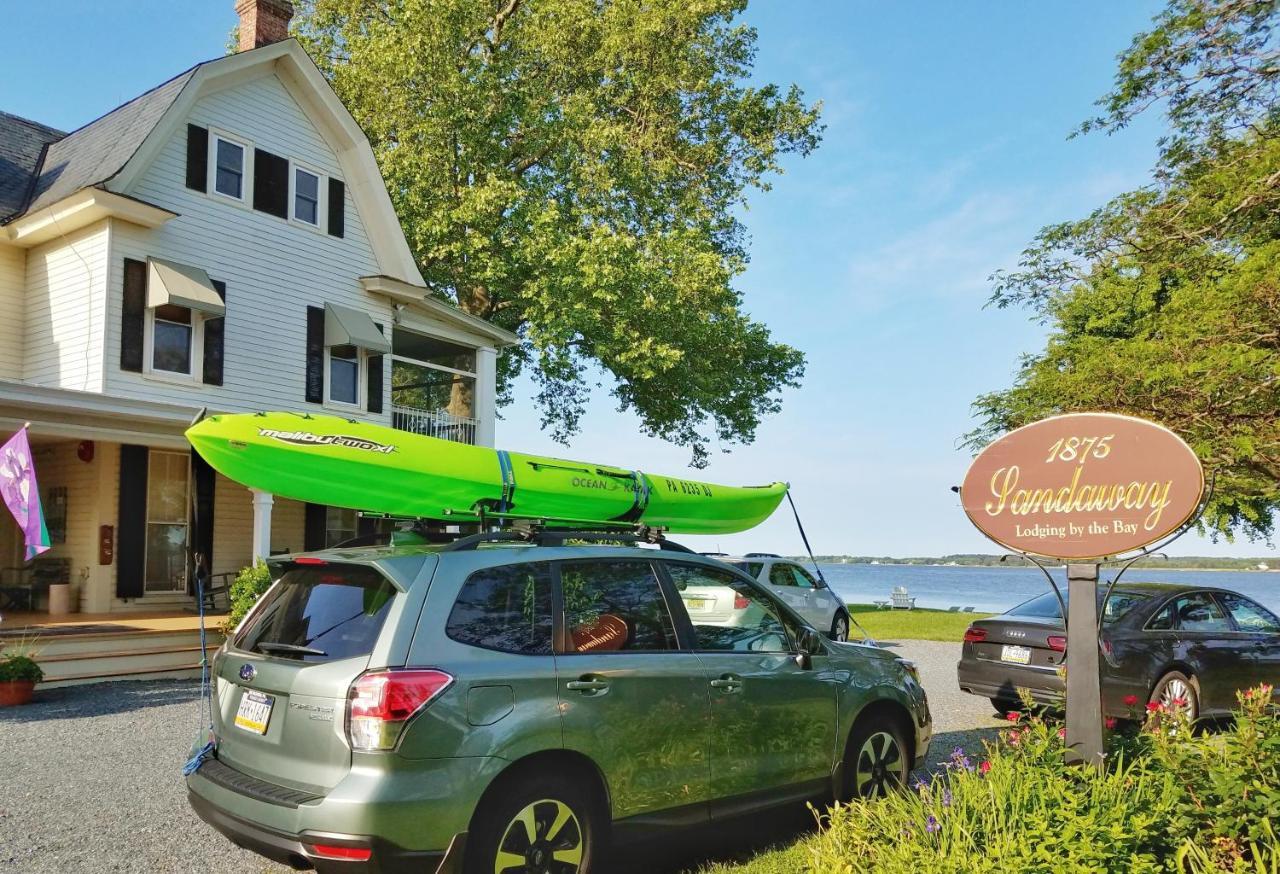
column 916, row 624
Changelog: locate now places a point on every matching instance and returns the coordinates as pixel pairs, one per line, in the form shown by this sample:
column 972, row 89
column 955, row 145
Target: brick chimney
column 263, row 22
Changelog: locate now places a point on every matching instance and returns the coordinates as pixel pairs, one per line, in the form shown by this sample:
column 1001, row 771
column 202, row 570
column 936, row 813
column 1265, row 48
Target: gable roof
column 21, row 144
column 98, row 151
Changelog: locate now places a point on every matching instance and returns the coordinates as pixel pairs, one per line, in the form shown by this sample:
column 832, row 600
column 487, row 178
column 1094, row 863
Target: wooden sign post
column 1084, row 488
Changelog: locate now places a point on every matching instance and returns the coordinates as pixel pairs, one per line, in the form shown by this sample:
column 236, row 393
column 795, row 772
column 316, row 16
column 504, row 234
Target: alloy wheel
column 1177, row 696
column 545, row 837
column 877, row 767
column 841, row 629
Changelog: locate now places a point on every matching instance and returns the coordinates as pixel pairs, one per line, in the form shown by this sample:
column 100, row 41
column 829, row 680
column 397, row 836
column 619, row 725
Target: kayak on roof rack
column 377, row 469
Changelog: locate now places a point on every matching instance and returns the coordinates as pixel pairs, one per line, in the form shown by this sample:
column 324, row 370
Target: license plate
column 254, row 712
column 696, row 603
column 1017, row 654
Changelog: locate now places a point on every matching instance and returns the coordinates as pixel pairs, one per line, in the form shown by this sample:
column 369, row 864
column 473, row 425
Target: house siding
column 13, row 279
column 63, row 317
column 59, row 467
column 273, row 268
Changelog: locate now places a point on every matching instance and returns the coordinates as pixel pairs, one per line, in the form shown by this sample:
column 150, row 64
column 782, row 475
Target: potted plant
column 19, row 674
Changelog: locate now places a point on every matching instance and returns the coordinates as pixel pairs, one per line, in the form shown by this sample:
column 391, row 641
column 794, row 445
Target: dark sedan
column 1187, row 647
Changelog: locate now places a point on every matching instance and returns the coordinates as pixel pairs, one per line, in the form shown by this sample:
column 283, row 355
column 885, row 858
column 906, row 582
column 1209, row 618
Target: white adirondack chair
column 901, row 600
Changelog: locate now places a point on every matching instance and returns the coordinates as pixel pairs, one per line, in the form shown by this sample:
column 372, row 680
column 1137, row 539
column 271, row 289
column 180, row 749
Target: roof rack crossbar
column 541, row 536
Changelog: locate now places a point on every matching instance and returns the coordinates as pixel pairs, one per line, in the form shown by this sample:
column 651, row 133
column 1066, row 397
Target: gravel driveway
column 90, row 781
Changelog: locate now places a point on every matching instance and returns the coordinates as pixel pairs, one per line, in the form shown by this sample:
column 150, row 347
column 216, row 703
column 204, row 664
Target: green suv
column 500, row 708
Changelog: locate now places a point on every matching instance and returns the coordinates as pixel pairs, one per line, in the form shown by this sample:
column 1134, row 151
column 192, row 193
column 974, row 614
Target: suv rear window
column 1046, row 606
column 320, row 614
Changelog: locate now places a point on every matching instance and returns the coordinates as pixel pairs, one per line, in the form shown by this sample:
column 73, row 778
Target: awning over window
column 182, row 285
column 347, row 327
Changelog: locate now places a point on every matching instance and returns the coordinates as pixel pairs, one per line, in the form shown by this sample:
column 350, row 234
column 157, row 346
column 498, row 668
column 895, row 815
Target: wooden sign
column 1083, row 486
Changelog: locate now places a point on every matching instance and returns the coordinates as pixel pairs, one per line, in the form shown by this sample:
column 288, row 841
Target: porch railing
column 434, row 423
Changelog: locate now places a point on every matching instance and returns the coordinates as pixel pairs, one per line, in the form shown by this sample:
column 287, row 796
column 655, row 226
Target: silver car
column 789, row 580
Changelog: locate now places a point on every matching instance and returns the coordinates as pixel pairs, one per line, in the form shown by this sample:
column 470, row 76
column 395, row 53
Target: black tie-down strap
column 639, row 496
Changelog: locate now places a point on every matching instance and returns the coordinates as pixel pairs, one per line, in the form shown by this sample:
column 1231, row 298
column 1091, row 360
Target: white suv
column 809, row 597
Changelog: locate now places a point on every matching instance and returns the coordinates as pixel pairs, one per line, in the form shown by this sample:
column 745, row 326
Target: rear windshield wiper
column 270, row 646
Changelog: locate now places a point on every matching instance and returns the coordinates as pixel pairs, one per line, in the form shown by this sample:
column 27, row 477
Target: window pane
column 306, row 196
column 728, row 615
column 171, row 340
column 1163, row 620
column 1250, row 616
column 166, row 569
column 344, row 374
column 337, row 609
column 1200, row 613
column 505, row 608
column 167, row 487
column 802, row 578
column 751, row 568
column 426, row 388
column 230, row 169
column 780, row 575
column 615, row 605
column 420, row 347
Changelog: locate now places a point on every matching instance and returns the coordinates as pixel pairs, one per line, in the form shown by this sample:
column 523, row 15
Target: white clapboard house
column 223, row 241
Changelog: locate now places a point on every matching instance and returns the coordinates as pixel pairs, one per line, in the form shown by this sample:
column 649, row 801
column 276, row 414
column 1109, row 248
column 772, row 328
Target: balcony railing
column 434, row 423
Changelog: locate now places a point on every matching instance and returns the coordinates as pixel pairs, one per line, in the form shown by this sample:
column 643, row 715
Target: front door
column 773, row 722
column 629, row 698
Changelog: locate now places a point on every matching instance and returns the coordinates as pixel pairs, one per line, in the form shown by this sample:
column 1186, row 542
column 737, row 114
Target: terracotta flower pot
column 16, row 692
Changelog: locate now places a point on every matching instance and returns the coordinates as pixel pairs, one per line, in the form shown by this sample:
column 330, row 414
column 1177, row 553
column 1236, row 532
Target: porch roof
column 60, row 412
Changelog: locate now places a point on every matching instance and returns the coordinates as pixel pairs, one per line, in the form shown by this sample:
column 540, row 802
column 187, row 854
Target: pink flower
column 1179, row 702
column 1014, row 738
column 984, row 767
column 1013, row 716
column 1154, row 707
column 1062, row 733
column 1130, row 700
column 1110, row 722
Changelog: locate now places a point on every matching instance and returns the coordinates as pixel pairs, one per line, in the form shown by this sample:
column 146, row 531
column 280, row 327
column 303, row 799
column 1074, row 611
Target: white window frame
column 151, row 453
column 475, row 352
column 197, row 350
column 322, row 195
column 246, row 168
column 362, row 381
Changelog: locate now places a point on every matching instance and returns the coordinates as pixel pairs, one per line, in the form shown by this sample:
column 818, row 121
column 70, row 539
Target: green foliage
column 573, row 170
column 19, row 667
column 1168, row 800
column 1165, row 303
column 246, row 589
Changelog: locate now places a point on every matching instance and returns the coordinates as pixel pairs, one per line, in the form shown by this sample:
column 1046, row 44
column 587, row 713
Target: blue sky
column 945, row 151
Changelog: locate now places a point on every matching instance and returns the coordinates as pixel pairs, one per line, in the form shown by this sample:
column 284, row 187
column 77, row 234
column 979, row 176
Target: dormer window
column 306, row 196
column 344, row 375
column 228, row 174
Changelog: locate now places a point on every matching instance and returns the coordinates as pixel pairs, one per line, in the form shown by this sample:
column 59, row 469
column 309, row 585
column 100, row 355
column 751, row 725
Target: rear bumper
column 291, row 849
column 1003, row 680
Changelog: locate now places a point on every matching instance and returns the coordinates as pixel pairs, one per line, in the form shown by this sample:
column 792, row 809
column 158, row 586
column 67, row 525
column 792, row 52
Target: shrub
column 18, row 666
column 245, row 591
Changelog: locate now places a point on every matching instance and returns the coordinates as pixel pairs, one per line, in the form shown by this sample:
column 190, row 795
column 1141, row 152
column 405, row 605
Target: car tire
column 840, row 627
column 1177, row 685
column 567, row 825
column 876, row 759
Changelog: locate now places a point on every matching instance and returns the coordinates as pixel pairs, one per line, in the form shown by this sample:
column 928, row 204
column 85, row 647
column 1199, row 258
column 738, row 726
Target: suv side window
column 757, row 628
column 803, row 580
column 780, row 575
column 505, row 608
column 615, row 606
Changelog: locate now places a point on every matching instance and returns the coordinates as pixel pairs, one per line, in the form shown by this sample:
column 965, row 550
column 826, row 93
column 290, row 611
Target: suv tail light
column 974, row 634
column 381, row 702
column 741, row 602
column 1057, row 642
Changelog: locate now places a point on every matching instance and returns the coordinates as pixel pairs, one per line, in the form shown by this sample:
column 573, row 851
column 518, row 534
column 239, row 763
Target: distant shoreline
column 993, row 562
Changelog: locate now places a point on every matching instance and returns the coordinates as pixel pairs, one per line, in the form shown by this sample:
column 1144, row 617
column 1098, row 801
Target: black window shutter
column 315, row 355
column 204, row 480
column 270, row 183
column 214, row 331
column 133, row 315
column 131, row 522
column 197, row 158
column 374, row 393
column 337, row 207
column 314, row 527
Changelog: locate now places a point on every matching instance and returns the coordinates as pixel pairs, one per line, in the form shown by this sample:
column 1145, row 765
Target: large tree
column 1165, row 302
column 574, row 170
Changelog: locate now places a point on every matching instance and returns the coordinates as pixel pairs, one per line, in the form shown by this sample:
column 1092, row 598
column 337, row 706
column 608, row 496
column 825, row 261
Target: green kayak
column 341, row 463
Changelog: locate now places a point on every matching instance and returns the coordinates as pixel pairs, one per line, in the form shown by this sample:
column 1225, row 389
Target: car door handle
column 588, row 687
column 728, row 683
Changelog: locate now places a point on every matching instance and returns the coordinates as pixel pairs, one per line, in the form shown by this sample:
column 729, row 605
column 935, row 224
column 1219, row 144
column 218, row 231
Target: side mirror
column 810, row 644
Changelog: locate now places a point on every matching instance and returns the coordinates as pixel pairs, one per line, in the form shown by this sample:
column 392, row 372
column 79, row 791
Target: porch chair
column 901, row 600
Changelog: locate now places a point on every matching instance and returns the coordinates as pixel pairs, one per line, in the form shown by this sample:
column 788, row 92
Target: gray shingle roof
column 91, row 155
column 21, row 142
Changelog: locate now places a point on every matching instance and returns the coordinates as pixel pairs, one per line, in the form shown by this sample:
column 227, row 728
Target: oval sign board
column 1083, row 486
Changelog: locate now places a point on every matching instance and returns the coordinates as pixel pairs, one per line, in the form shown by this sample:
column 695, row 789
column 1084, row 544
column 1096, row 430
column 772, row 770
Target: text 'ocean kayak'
column 341, row 463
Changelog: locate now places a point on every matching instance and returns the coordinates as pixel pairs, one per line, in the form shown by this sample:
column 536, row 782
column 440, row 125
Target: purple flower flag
column 20, row 493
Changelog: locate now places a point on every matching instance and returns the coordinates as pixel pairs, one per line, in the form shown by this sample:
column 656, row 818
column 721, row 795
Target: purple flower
column 931, row 824
column 946, row 797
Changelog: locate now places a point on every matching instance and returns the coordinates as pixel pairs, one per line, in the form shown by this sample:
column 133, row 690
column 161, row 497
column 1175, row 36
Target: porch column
column 262, row 502
column 486, row 396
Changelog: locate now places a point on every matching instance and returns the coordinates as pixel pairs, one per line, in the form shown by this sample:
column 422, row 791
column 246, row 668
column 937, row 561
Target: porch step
column 90, row 657
column 177, row 672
